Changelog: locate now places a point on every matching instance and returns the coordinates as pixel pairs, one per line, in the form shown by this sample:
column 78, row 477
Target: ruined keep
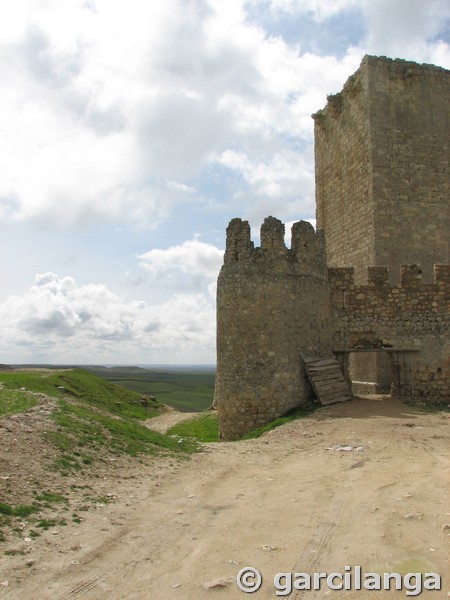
column 381, row 161
column 374, row 274
column 382, row 182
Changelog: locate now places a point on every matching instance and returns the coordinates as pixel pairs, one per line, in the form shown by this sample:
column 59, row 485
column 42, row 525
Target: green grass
column 23, row 510
column 83, row 386
column 203, row 428
column 93, row 421
column 190, row 391
column 47, row 523
column 15, row 401
column 93, row 416
column 9, row 512
column 50, row 498
column 81, row 427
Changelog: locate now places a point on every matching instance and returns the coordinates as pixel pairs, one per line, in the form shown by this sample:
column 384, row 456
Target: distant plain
column 188, row 389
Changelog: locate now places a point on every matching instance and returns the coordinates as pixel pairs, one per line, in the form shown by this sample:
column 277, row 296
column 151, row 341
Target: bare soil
column 362, row 483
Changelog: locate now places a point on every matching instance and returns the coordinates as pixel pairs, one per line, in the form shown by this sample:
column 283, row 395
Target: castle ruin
column 374, row 277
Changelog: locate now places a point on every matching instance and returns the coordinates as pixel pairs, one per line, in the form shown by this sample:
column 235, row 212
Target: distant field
column 186, row 390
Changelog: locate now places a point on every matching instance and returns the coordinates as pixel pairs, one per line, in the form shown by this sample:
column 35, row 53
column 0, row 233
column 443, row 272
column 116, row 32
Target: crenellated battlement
column 410, row 278
column 381, row 165
column 307, row 245
column 238, row 243
column 272, row 236
column 379, row 297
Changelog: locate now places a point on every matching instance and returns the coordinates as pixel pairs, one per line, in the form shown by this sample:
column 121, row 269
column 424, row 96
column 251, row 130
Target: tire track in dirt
column 123, row 551
column 324, row 536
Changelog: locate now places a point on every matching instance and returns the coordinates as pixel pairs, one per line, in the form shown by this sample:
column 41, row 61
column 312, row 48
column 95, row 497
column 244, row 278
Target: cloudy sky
column 132, row 132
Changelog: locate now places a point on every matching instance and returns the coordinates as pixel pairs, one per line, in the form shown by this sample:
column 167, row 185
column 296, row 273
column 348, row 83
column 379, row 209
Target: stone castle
column 371, row 286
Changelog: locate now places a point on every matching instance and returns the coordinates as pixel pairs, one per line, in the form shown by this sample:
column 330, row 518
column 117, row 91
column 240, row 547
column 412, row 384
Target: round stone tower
column 273, row 310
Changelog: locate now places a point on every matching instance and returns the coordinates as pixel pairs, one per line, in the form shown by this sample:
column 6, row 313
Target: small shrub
column 18, row 511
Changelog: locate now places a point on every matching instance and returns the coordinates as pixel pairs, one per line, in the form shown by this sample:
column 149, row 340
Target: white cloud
column 72, row 79
column 116, row 113
column 319, row 9
column 104, row 106
column 406, row 28
column 284, row 174
column 59, row 321
column 283, row 185
column 191, row 257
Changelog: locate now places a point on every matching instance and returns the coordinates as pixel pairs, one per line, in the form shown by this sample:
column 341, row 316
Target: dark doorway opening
column 401, row 364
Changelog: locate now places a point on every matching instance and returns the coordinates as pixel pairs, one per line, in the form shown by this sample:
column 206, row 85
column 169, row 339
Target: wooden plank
column 328, row 383
column 321, row 363
column 327, row 380
column 324, row 371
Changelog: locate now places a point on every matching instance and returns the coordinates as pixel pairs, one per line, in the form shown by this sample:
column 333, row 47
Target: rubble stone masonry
column 412, row 314
column 273, row 307
column 382, row 168
column 382, row 194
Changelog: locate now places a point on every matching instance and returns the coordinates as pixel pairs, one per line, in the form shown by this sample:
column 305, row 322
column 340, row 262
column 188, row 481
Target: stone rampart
column 411, row 314
column 382, row 197
column 382, row 167
column 273, row 308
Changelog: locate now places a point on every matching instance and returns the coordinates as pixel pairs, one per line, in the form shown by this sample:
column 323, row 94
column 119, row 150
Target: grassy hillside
column 189, row 391
column 63, row 434
column 89, row 413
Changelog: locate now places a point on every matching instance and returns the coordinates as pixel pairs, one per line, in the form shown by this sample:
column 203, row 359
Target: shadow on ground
column 371, row 406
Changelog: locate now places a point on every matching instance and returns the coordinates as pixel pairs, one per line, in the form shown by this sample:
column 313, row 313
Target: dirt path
column 293, row 500
column 168, row 420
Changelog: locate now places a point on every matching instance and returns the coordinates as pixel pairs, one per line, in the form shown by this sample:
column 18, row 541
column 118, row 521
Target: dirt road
column 366, row 483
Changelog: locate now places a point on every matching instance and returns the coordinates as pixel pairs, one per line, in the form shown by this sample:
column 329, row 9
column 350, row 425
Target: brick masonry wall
column 411, row 314
column 277, row 306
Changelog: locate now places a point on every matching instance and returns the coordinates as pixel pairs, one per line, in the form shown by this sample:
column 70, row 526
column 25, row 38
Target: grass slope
column 69, row 430
column 92, row 415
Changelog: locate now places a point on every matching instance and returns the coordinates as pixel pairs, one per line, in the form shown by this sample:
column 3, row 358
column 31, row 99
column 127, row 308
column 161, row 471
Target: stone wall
column 382, row 172
column 382, row 175
column 409, row 107
column 273, row 308
column 382, row 193
column 277, row 306
column 412, row 314
column 344, row 202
